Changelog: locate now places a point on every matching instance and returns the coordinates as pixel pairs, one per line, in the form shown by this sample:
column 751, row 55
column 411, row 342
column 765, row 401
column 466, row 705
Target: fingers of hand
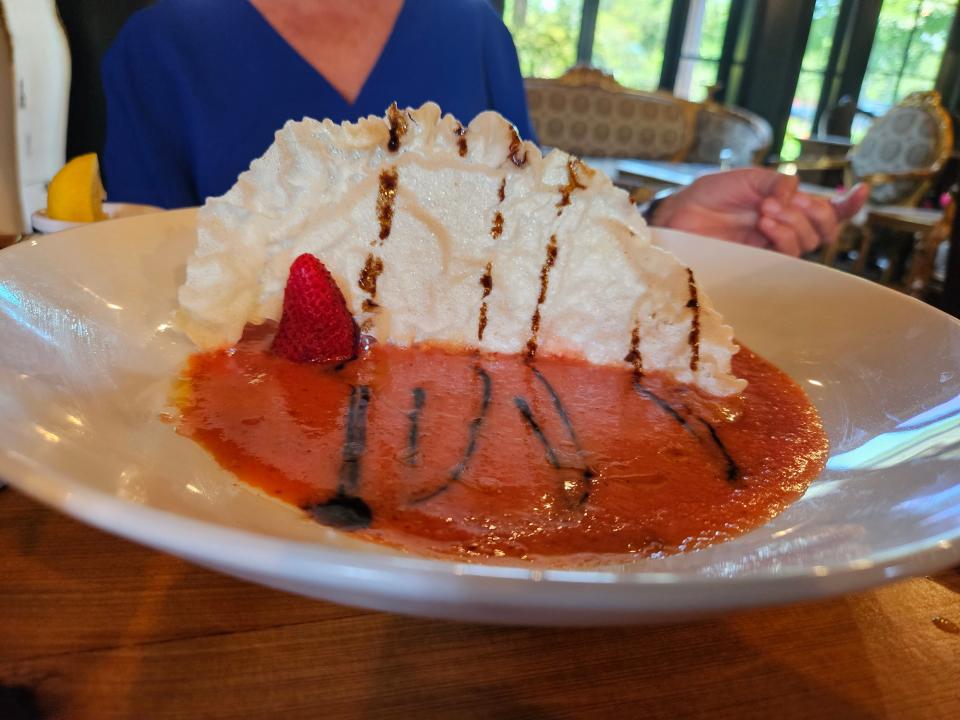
column 792, row 232
column 849, row 205
column 781, row 236
column 820, row 212
column 784, row 188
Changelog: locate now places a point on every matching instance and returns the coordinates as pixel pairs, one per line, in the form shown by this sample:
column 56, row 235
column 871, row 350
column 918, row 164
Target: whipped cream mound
column 461, row 235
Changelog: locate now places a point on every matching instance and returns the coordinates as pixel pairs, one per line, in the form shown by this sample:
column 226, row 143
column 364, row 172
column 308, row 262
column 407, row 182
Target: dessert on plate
column 435, row 337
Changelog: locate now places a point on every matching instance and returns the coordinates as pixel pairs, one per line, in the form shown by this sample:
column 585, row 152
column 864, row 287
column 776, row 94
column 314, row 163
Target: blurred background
column 790, row 61
column 658, row 92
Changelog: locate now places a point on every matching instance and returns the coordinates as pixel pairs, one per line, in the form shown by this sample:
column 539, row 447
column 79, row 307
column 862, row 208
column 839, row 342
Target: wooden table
column 95, row 627
column 8, row 240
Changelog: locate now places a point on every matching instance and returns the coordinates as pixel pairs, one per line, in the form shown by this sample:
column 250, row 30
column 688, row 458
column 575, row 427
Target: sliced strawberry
column 316, row 325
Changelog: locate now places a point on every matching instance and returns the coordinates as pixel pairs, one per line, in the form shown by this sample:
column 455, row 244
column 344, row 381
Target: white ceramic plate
column 43, row 223
column 87, row 357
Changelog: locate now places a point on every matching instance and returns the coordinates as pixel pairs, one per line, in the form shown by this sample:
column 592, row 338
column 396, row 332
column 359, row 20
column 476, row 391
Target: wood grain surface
column 92, row 626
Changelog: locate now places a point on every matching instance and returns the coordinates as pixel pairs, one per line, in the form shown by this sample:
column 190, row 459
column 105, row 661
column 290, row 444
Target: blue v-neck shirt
column 196, row 89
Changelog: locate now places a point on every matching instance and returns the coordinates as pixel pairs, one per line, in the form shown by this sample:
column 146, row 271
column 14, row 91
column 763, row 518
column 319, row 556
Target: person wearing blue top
column 196, row 90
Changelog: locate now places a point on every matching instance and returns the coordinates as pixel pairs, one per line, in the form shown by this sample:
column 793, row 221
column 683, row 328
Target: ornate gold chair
column 899, row 157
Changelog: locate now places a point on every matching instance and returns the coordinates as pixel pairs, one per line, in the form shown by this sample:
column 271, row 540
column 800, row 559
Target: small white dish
column 42, row 223
column 89, row 353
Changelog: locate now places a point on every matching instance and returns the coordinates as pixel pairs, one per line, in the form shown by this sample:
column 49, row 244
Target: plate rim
column 204, row 541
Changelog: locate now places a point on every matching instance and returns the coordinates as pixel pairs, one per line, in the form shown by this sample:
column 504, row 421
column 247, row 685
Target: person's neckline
column 305, row 63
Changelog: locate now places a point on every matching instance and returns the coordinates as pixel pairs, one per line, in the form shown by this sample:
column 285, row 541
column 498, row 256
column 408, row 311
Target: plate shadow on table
column 95, row 626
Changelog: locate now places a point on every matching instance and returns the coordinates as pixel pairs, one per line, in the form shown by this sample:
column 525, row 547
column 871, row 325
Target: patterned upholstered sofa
column 588, row 113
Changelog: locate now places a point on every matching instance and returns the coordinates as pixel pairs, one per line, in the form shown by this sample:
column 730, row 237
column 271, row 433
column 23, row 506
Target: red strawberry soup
column 447, row 452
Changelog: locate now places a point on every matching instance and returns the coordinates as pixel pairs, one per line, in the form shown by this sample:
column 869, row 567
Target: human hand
column 758, row 207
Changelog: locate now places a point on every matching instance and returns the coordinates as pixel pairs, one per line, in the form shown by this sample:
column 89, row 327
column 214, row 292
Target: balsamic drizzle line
column 732, row 470
column 561, row 410
column 356, row 440
column 524, row 407
column 663, row 405
column 412, row 456
column 588, row 472
column 346, row 509
column 473, row 435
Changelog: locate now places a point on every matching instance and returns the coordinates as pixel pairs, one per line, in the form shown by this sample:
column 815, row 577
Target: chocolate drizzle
column 524, row 407
column 473, row 434
column 573, row 182
column 633, row 357
column 587, row 472
column 497, row 229
column 516, row 145
column 694, row 338
column 487, row 283
column 373, row 267
column 412, row 455
column 461, row 132
column 386, row 197
column 347, row 510
column 732, row 471
column 544, row 283
column 398, row 127
column 369, row 274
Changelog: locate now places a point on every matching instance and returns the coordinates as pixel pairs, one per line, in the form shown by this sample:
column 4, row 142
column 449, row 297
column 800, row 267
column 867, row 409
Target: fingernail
column 772, row 207
column 801, row 201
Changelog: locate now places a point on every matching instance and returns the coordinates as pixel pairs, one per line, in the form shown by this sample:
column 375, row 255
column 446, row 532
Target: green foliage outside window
column 810, row 82
column 907, row 51
column 545, row 33
column 629, row 40
column 630, row 35
column 701, row 52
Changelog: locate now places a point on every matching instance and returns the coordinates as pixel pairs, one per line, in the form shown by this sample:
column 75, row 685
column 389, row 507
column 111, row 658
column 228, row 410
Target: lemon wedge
column 76, row 192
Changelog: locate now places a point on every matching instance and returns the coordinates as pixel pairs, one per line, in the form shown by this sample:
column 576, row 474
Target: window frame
column 757, row 33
